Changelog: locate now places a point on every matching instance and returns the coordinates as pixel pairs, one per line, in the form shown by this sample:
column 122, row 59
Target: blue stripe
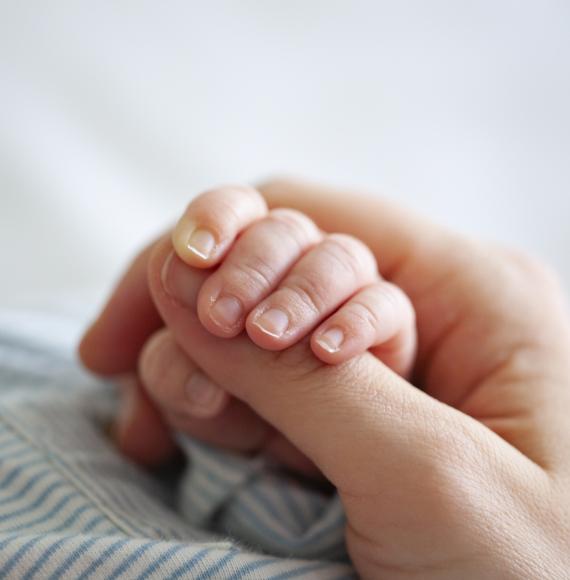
column 213, row 478
column 252, row 521
column 106, row 495
column 103, row 557
column 9, row 540
column 11, row 475
column 256, row 525
column 93, row 523
column 218, row 566
column 291, row 502
column 47, row 516
column 219, row 474
column 5, row 570
column 165, row 557
column 28, row 487
column 71, row 519
column 130, row 560
column 252, row 566
column 258, row 495
column 111, row 531
column 189, row 564
column 35, row 504
column 43, row 559
column 73, row 557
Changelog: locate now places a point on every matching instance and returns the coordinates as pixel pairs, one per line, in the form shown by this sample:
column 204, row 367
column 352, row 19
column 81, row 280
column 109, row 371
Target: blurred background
column 114, row 114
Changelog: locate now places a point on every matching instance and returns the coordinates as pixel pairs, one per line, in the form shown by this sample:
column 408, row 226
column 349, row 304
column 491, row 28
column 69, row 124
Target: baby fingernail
column 273, row 322
column 201, row 391
column 331, row 340
column 201, row 242
column 226, row 311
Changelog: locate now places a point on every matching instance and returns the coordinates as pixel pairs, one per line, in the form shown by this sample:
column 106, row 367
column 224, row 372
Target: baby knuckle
column 255, row 275
column 252, row 194
column 396, row 297
column 311, row 291
column 350, row 253
column 231, row 212
column 295, row 225
column 363, row 317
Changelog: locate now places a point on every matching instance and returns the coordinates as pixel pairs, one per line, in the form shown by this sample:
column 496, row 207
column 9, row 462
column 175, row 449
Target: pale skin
column 467, row 476
column 280, row 279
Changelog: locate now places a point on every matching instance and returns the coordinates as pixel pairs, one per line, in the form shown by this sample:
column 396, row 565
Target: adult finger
column 175, row 383
column 112, row 344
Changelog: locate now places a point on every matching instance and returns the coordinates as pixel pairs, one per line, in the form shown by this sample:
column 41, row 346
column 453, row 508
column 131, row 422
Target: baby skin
column 275, row 276
column 467, row 477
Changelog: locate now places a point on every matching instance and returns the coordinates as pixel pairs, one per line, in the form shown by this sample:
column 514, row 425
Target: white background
column 113, row 114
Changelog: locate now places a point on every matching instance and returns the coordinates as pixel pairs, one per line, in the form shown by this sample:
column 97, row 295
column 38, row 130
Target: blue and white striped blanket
column 72, row 507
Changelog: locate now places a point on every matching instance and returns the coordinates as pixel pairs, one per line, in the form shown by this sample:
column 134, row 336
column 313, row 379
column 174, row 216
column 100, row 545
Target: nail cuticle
column 201, row 242
column 331, row 340
column 273, row 322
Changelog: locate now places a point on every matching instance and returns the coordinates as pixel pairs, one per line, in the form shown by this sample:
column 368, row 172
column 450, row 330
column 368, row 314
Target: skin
column 466, row 476
column 269, row 260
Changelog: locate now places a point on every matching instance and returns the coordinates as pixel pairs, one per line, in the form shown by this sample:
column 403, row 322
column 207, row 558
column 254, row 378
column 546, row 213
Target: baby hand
column 280, row 279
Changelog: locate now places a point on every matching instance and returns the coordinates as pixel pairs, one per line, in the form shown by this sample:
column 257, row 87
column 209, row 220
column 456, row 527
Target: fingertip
column 269, row 328
column 195, row 244
column 84, row 350
column 331, row 346
column 220, row 313
column 93, row 356
column 205, row 399
column 213, row 220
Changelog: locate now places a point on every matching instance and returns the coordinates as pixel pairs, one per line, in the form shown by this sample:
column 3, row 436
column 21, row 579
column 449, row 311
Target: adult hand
column 467, row 477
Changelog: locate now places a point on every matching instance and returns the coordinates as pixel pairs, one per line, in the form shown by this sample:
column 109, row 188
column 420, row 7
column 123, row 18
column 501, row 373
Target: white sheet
column 112, row 115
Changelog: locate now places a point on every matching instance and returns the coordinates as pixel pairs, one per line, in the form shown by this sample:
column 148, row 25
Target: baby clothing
column 72, row 507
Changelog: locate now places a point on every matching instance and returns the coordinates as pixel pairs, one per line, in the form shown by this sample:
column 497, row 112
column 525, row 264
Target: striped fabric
column 71, row 507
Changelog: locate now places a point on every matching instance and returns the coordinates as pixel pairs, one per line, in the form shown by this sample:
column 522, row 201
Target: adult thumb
column 357, row 421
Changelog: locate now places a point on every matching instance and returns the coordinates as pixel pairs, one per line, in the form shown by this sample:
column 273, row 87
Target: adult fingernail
column 179, row 280
column 226, row 311
column 273, row 322
column 202, row 394
column 331, row 340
